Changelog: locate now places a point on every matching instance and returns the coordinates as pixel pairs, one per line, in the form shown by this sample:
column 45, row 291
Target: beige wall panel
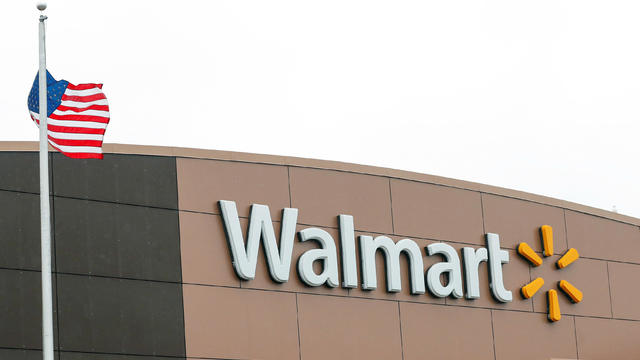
column 515, row 274
column 206, row 258
column 589, row 276
column 625, row 293
column 263, row 279
column 346, row 328
column 436, row 212
column 605, row 339
column 405, row 294
column 600, row 238
column 445, row 332
column 530, row 336
column 240, row 323
column 322, row 195
column 202, row 183
column 519, row 221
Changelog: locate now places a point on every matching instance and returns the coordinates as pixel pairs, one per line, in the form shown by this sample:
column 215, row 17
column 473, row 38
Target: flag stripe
column 84, row 92
column 78, row 123
column 77, row 149
column 77, row 130
column 74, row 136
column 69, row 129
column 84, row 104
column 89, row 123
column 77, row 109
column 89, row 112
column 83, row 86
column 94, row 143
column 82, row 118
column 83, row 98
column 80, row 155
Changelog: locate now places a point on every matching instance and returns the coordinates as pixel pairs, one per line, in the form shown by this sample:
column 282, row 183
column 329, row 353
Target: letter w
column 260, row 227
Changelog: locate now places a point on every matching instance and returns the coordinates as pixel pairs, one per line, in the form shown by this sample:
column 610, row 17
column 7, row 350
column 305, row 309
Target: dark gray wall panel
column 130, row 179
column 20, row 171
column 89, row 356
column 120, row 316
column 13, row 354
column 16, row 354
column 117, row 240
column 20, row 230
column 21, row 309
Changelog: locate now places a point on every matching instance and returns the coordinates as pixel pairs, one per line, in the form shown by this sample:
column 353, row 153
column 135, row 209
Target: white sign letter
column 472, row 259
column 391, row 250
column 348, row 247
column 497, row 257
column 327, row 254
column 451, row 266
column 260, row 227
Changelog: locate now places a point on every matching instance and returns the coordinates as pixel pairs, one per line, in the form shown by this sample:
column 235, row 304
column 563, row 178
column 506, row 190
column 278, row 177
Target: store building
column 352, row 262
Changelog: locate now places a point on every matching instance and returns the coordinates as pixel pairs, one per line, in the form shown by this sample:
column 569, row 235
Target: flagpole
column 45, row 216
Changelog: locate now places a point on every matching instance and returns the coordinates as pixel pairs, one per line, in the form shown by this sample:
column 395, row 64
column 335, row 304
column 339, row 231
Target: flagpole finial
column 41, row 6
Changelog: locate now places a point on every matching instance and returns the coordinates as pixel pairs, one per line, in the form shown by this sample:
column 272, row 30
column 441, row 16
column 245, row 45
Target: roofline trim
column 28, row 146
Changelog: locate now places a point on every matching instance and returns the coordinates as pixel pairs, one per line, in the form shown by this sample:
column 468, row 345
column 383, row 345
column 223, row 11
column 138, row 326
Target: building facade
column 155, row 258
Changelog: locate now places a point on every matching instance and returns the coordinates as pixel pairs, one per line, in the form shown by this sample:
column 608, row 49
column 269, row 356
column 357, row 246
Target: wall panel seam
column 184, row 315
column 484, row 227
column 393, row 226
column 610, row 297
column 111, row 277
column 289, row 186
column 142, row 356
column 566, row 229
column 493, row 337
column 401, row 336
column 55, row 253
column 298, row 325
column 575, row 333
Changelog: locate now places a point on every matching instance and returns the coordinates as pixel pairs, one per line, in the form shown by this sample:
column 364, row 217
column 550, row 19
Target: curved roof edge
column 335, row 165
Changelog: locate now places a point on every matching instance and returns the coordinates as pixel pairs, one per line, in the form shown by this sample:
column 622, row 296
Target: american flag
column 77, row 116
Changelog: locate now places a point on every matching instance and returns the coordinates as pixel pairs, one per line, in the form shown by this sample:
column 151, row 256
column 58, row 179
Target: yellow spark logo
column 531, row 288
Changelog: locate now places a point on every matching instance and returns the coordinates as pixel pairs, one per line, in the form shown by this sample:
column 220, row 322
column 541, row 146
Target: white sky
column 540, row 96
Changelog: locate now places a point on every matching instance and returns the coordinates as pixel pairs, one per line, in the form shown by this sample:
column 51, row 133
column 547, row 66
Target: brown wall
column 226, row 318
column 259, row 319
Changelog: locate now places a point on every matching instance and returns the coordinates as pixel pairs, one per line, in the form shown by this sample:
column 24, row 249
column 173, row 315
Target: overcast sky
column 539, row 96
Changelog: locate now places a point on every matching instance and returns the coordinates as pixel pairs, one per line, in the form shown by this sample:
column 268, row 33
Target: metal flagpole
column 45, row 216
